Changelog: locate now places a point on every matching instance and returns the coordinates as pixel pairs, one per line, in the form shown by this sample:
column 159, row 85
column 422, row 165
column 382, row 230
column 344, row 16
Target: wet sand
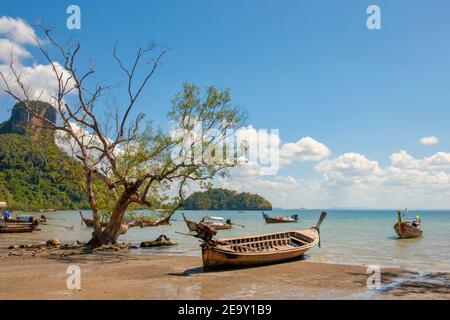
column 125, row 275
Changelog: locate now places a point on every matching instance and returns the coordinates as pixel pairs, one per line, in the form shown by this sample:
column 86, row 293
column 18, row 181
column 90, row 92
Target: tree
column 122, row 162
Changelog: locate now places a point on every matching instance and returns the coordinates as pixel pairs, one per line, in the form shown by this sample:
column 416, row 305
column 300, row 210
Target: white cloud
column 39, row 80
column 17, row 30
column 10, row 49
column 429, row 141
column 305, row 149
column 350, row 168
column 437, row 161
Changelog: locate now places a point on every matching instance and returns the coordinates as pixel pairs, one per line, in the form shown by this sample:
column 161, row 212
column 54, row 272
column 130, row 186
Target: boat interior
column 270, row 242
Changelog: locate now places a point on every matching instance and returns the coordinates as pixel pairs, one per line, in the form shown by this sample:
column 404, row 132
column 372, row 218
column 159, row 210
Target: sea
column 356, row 237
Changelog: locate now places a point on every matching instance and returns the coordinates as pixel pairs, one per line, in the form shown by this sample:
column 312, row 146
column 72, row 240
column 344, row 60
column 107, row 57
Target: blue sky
column 307, row 68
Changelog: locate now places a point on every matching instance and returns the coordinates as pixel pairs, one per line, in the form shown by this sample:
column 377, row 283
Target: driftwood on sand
column 161, row 241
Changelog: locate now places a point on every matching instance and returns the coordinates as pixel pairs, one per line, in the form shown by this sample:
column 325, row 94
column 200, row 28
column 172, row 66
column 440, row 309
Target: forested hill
column 223, row 199
column 34, row 173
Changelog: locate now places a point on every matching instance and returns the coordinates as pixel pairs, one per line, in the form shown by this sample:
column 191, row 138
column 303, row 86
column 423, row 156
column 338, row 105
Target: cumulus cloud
column 305, row 149
column 9, row 49
column 39, row 80
column 17, row 30
column 429, row 141
column 439, row 160
column 267, row 155
column 350, row 168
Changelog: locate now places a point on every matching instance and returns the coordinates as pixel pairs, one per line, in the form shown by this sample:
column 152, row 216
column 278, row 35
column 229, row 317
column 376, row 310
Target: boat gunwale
column 264, row 252
column 268, row 234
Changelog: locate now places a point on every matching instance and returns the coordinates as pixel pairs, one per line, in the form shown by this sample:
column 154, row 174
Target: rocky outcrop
column 21, row 118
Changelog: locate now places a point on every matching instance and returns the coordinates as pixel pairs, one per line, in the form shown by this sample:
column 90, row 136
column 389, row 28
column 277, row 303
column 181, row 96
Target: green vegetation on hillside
column 35, row 174
column 223, row 199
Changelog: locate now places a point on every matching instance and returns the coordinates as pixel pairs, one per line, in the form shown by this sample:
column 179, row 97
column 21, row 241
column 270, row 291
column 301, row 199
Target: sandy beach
column 125, row 275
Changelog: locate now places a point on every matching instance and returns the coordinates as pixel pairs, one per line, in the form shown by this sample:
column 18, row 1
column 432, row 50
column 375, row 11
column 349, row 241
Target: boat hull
column 192, row 225
column 16, row 227
column 273, row 220
column 283, row 220
column 148, row 223
column 409, row 231
column 216, row 258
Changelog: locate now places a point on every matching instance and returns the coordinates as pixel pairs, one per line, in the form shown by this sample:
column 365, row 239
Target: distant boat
column 407, row 229
column 143, row 222
column 217, row 223
column 292, row 218
column 257, row 250
column 138, row 222
column 90, row 222
column 17, row 227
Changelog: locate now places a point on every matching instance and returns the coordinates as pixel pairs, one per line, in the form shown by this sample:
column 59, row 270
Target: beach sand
column 126, row 275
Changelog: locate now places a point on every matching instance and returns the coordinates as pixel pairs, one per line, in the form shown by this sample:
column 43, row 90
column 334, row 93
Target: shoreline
column 127, row 275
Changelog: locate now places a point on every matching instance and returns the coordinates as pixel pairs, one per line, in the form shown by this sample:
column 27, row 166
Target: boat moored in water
column 292, row 218
column 138, row 222
column 218, row 223
column 408, row 229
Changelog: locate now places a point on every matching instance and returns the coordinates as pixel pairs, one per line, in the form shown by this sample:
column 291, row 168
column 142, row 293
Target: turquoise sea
column 362, row 237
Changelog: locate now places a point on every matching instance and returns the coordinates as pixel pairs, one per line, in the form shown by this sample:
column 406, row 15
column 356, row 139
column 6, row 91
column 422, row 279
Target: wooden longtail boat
column 407, row 229
column 27, row 219
column 261, row 249
column 141, row 222
column 192, row 225
column 90, row 222
column 217, row 223
column 293, row 218
column 17, row 227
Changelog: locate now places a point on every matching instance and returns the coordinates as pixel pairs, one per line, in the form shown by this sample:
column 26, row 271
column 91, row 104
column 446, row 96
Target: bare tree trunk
column 112, row 231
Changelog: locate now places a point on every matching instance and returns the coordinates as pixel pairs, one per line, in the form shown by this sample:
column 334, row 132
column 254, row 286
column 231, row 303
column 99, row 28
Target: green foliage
column 36, row 174
column 223, row 199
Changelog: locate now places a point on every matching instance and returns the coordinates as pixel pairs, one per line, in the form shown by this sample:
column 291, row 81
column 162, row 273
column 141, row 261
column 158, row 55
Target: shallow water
column 361, row 237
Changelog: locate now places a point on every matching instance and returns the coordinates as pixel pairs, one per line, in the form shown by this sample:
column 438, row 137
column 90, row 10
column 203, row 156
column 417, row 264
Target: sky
column 362, row 114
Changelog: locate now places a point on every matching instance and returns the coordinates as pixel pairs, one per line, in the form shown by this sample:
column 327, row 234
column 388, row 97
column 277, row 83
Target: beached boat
column 218, row 223
column 17, row 227
column 407, row 229
column 42, row 218
column 293, row 218
column 258, row 250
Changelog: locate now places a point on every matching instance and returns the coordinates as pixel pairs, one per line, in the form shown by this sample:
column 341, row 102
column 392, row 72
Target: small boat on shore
column 40, row 219
column 408, row 229
column 218, row 223
column 293, row 218
column 257, row 250
column 17, row 227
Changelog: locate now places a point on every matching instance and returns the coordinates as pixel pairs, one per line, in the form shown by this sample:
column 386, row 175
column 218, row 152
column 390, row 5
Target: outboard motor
column 205, row 232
